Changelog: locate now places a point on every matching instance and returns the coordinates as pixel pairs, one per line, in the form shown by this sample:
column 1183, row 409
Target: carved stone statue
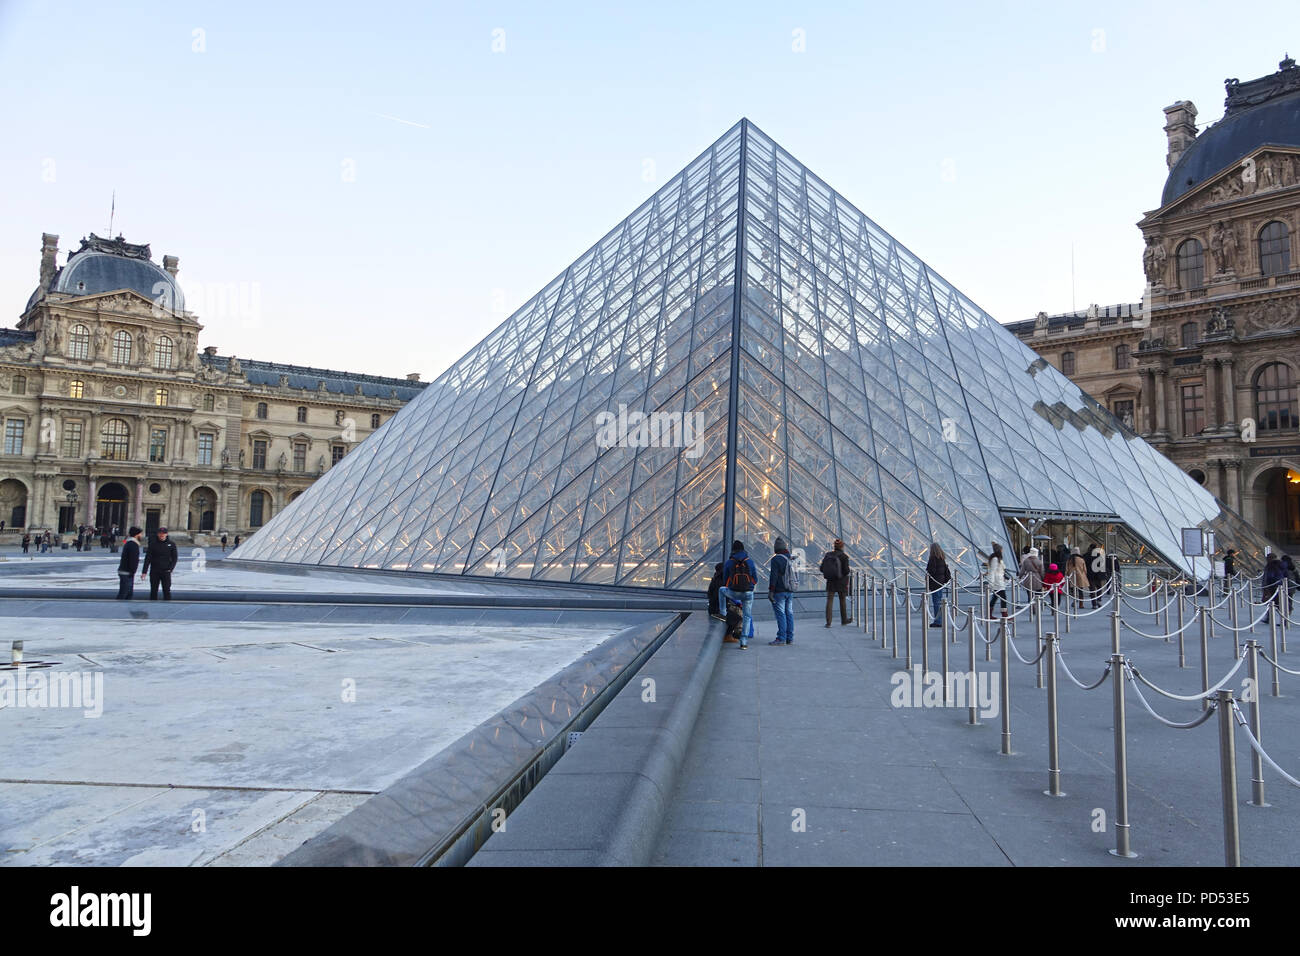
column 52, row 337
column 1153, row 261
column 225, row 458
column 241, row 458
column 283, row 461
column 234, row 368
column 101, row 341
column 189, row 348
column 143, row 339
column 1224, row 246
column 320, row 465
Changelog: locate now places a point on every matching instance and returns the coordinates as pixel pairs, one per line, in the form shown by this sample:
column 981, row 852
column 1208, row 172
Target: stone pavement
column 798, row 758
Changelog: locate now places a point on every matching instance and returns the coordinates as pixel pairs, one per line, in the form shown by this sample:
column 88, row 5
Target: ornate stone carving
column 101, row 341
column 116, row 247
column 1153, row 261
column 1271, row 316
column 234, row 368
column 1223, row 244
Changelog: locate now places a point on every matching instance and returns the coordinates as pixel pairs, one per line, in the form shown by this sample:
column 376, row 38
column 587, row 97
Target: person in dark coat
column 159, row 560
column 1230, row 563
column 1292, row 577
column 128, row 564
column 714, row 587
column 27, row 542
column 1274, row 583
column 936, row 576
column 740, row 577
column 782, row 581
column 835, row 569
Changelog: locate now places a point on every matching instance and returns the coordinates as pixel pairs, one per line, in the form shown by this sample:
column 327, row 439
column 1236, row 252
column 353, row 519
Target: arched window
column 1274, row 249
column 261, row 409
column 115, row 439
column 302, row 414
column 76, row 388
column 1275, row 397
column 162, row 352
column 1121, row 356
column 79, row 342
column 1067, row 363
column 259, row 508
column 374, row 421
column 122, row 347
column 1191, row 265
column 1190, row 334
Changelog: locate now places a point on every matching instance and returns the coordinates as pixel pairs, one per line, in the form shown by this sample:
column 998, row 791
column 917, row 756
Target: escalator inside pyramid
column 745, row 356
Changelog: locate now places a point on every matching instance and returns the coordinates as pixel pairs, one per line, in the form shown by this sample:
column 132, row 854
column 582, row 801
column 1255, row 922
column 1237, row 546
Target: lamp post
column 72, row 506
column 202, row 502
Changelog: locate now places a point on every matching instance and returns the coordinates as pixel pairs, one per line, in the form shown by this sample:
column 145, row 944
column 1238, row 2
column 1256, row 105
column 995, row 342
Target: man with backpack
column 740, row 576
column 782, row 582
column 835, row 569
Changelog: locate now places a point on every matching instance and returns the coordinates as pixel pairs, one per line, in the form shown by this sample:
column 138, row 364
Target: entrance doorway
column 152, row 521
column 1282, row 507
column 111, row 506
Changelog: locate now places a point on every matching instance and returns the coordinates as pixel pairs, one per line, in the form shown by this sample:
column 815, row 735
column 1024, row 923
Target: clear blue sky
column 989, row 138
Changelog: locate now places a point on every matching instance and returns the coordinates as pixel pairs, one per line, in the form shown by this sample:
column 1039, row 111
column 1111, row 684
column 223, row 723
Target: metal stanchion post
column 1282, row 632
column 1067, row 597
column 1004, row 684
column 1228, row 778
column 1182, row 653
column 1038, row 649
column 943, row 641
column 1122, row 847
column 1272, row 637
column 907, row 619
column 1053, row 748
column 1168, row 596
column 973, row 720
column 907, row 650
column 893, row 615
column 1204, row 613
column 925, row 650
column 1256, row 762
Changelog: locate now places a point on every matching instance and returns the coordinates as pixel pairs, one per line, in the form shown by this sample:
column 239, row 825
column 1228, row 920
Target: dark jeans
column 125, row 586
column 844, row 607
column 994, row 597
column 160, row 577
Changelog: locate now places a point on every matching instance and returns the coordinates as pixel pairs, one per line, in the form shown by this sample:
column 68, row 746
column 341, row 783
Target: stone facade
column 1214, row 353
column 113, row 415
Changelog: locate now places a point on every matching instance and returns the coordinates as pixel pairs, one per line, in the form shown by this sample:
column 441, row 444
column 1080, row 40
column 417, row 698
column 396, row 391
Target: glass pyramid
column 829, row 383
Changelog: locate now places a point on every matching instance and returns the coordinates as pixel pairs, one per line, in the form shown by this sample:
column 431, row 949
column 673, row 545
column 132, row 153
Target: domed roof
column 106, row 265
column 1263, row 112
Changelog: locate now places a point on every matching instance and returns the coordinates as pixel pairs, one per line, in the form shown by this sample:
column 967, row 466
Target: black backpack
column 830, row 567
column 741, row 579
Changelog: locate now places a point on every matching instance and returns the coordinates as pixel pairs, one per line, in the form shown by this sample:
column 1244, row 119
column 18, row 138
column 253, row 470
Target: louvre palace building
column 115, row 414
column 1206, row 367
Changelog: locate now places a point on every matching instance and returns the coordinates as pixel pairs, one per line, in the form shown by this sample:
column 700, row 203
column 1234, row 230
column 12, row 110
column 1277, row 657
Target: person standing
column 1230, row 564
column 1274, row 584
column 740, row 576
column 127, row 565
column 936, row 576
column 712, row 605
column 997, row 579
column 782, row 582
column 1096, row 573
column 1078, row 578
column 1054, row 581
column 715, row 591
column 45, row 542
column 160, row 558
column 27, row 541
column 1031, row 575
column 236, row 541
column 835, row 569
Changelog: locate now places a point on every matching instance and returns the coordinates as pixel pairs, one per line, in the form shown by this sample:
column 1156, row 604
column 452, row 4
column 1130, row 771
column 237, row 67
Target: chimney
column 1180, row 127
column 49, row 249
column 413, row 376
column 172, row 265
column 210, row 350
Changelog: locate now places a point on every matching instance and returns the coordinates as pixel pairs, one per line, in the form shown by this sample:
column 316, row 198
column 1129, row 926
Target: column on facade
column 1150, row 409
column 1229, row 393
column 36, row 507
column 138, row 510
column 1161, row 399
column 1232, row 479
column 92, row 489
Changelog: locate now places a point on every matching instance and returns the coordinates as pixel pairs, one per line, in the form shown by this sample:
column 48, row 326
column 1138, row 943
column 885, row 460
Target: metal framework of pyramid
column 842, row 389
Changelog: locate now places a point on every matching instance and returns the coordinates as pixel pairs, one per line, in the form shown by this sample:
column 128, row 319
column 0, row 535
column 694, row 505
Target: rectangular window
column 72, row 439
column 76, row 389
column 14, row 436
column 158, row 444
column 300, row 456
column 207, row 403
column 1193, row 408
column 259, row 455
column 20, row 384
column 160, row 396
column 336, row 454
column 302, row 414
column 205, row 447
column 1123, row 410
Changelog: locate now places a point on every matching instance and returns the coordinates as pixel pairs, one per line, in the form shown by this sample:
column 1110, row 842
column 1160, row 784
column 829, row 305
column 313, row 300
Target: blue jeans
column 935, row 599
column 783, row 608
column 746, row 601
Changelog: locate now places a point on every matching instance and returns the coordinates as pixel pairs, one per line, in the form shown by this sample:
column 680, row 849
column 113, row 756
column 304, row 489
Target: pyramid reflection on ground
column 842, row 389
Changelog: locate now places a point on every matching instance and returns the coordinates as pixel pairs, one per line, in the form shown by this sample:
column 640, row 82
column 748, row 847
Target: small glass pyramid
column 745, row 356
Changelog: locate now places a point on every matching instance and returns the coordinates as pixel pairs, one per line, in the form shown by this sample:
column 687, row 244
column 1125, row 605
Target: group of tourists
column 731, row 592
